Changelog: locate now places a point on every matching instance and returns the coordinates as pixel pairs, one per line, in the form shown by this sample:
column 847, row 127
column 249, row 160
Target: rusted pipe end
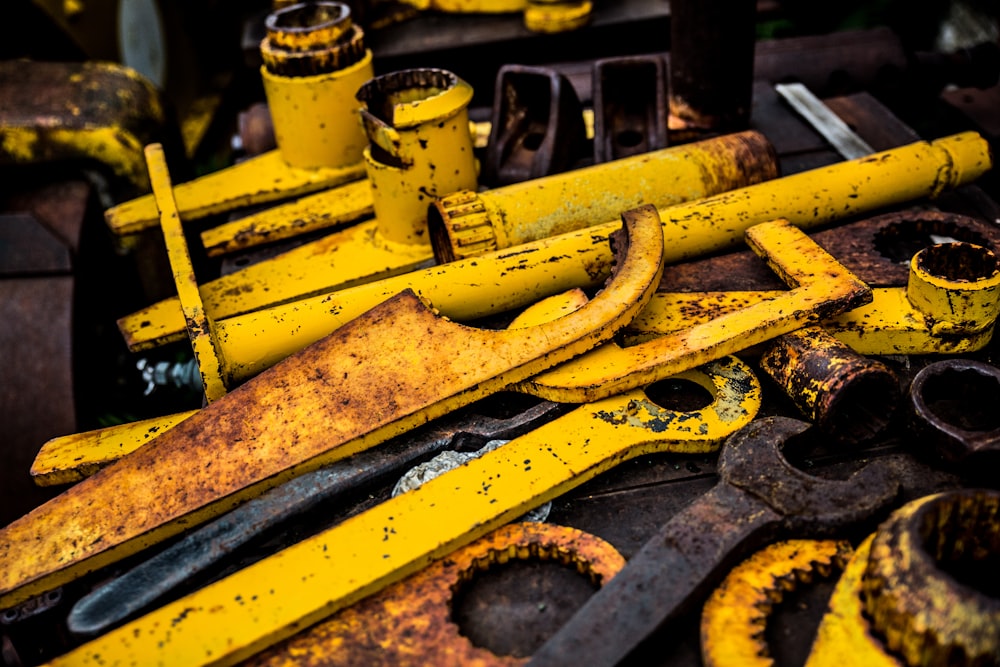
column 954, row 410
column 931, row 586
column 306, row 39
column 849, row 396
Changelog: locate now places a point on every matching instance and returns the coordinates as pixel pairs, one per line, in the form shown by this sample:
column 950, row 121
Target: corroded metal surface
column 630, row 106
column 759, row 497
column 339, row 396
column 849, row 396
column 953, row 411
column 411, row 622
column 911, row 595
column 270, row 600
column 735, row 616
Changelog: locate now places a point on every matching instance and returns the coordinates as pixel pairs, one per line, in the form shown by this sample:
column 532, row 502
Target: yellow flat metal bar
column 808, row 199
column 71, row 458
column 259, row 180
column 341, row 205
column 396, row 367
column 821, row 287
column 200, row 329
column 237, row 616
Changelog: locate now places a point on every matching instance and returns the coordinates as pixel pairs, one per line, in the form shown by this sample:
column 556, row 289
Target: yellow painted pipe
column 509, row 279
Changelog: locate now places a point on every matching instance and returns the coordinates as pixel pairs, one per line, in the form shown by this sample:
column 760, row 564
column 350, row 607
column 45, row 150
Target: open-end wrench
column 149, row 581
column 759, row 497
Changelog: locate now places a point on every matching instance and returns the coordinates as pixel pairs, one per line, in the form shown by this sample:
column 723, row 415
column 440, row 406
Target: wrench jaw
column 753, row 461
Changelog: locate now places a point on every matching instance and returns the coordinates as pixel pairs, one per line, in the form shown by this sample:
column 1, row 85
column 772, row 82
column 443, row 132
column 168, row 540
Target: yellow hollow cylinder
column 420, row 146
column 956, row 286
column 468, row 223
column 310, row 85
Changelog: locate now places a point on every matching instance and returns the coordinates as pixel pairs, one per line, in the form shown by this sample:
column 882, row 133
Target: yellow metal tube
column 469, row 223
column 420, row 148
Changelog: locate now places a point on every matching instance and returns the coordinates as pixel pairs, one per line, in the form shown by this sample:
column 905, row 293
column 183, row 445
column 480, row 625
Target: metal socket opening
column 958, row 262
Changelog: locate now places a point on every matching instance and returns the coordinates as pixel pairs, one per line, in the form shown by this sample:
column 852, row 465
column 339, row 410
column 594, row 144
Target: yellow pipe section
column 508, row 279
column 469, row 223
column 362, row 253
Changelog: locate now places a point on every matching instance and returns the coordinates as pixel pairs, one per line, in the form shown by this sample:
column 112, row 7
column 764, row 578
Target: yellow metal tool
column 734, row 618
column 373, row 631
column 808, row 199
column 821, row 287
column 372, row 249
column 314, row 62
column 359, row 386
column 899, row 602
column 238, row 616
column 949, row 306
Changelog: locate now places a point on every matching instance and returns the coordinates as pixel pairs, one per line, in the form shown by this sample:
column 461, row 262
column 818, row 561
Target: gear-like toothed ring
column 735, row 616
column 918, row 607
column 460, row 227
column 410, row 623
column 321, row 42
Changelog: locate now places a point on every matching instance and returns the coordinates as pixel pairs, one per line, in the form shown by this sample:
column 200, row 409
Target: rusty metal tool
column 953, row 411
column 357, row 387
column 272, row 599
column 759, row 496
column 555, row 16
column 824, row 120
column 849, row 396
column 734, row 618
column 536, row 127
column 140, row 587
column 314, row 60
column 375, row 630
column 363, row 252
column 630, row 106
column 921, row 589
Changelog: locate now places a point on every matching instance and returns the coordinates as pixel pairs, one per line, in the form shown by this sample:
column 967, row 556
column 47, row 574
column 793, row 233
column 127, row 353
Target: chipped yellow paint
column 362, row 254
column 200, row 329
column 358, row 387
column 253, row 608
column 845, row 635
column 342, row 205
column 70, row 458
column 821, row 287
column 259, row 180
column 734, row 618
column 19, row 142
column 469, row 6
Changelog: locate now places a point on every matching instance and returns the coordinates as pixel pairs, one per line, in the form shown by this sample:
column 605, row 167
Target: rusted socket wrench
column 922, row 590
column 314, row 60
column 849, row 396
column 630, row 106
column 953, row 406
column 537, row 126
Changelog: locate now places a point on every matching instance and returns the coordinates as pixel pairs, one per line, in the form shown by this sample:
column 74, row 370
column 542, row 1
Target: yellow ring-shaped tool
column 956, row 286
column 306, row 27
column 557, row 17
column 735, row 615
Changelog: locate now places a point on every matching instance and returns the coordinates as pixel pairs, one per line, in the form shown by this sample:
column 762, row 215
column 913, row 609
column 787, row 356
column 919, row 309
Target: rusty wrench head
column 759, row 496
